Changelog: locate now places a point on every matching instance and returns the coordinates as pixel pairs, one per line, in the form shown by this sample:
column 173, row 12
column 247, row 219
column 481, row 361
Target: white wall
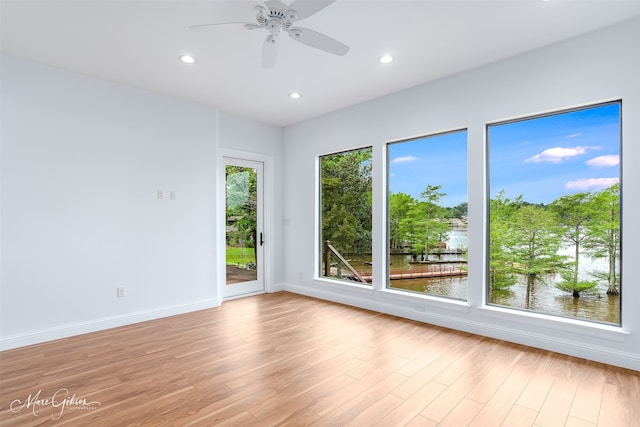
column 82, row 161
column 597, row 67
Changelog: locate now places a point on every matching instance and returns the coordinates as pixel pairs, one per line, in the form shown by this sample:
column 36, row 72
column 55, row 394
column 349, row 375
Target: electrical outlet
column 160, row 195
column 120, row 292
column 172, row 195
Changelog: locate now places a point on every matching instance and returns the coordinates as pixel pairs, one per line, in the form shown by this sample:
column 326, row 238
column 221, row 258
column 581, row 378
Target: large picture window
column 345, row 199
column 554, row 214
column 427, row 215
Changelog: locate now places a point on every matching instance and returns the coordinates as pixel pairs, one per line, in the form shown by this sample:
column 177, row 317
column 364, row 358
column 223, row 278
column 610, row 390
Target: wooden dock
column 404, row 275
column 436, row 261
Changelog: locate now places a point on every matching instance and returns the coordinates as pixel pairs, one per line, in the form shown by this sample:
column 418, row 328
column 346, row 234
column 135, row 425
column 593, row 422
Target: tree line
column 525, row 240
column 346, row 198
column 421, row 225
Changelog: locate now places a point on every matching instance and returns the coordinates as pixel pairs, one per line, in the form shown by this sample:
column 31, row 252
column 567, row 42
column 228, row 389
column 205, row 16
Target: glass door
column 243, row 227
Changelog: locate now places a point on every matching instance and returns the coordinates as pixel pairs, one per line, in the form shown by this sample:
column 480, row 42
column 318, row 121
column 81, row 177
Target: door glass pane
column 241, row 219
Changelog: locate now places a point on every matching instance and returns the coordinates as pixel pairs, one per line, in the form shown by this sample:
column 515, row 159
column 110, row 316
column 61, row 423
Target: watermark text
column 59, row 401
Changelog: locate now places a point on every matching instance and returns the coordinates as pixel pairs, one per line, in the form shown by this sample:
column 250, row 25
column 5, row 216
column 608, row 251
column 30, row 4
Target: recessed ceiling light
column 386, row 59
column 294, row 95
column 187, row 59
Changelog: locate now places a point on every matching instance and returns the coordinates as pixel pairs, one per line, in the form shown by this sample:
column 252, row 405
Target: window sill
column 342, row 284
column 426, row 300
column 563, row 324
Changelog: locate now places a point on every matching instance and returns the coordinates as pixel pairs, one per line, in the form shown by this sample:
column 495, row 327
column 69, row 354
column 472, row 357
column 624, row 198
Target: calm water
column 596, row 305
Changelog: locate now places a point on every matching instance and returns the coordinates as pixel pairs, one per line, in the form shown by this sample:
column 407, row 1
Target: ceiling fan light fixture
column 187, row 59
column 276, row 17
column 386, row 59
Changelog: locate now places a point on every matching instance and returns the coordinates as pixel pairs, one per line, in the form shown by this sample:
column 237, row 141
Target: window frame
column 387, row 217
column 320, row 239
column 509, row 311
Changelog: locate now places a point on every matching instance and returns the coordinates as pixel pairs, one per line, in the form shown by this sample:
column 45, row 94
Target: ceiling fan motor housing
column 275, row 20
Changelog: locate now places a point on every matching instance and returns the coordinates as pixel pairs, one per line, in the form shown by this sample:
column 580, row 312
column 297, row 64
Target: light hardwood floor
column 284, row 359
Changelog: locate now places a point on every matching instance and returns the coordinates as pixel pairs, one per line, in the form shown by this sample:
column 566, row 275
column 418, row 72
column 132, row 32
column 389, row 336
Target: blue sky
column 435, row 160
column 552, row 156
column 542, row 158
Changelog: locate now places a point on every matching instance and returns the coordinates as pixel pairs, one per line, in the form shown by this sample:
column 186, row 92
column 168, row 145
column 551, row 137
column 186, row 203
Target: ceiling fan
column 277, row 17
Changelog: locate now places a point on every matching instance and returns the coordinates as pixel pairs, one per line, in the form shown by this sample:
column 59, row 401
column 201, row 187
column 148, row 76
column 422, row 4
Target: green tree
column 399, row 206
column 536, row 241
column 604, row 234
column 342, row 226
column 346, row 200
column 574, row 212
column 459, row 211
column 412, row 228
column 436, row 230
column 570, row 284
column 502, row 271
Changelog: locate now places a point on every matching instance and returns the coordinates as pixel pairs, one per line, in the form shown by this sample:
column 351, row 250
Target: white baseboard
column 69, row 330
column 573, row 344
column 275, row 287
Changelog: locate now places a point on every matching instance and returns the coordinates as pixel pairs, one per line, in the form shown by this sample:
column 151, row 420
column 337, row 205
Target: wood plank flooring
column 284, row 359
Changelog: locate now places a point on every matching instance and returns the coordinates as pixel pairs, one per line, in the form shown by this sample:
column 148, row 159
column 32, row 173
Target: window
column 345, row 199
column 427, row 215
column 554, row 214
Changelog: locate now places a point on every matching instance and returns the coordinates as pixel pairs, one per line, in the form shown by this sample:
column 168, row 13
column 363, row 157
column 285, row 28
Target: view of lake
column 596, row 305
column 553, row 180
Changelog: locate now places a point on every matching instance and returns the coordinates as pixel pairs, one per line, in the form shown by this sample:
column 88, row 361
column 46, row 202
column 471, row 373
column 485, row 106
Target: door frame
column 267, row 207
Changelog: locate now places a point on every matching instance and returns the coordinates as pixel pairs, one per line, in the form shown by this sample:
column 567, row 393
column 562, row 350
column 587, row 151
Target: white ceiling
column 137, row 43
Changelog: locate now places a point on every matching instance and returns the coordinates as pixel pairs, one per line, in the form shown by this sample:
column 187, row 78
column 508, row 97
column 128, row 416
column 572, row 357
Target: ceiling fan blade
column 318, row 40
column 306, row 8
column 223, row 26
column 270, row 49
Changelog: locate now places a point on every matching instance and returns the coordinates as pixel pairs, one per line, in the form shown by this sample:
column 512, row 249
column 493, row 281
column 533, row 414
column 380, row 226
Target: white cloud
column 574, row 135
column 604, row 161
column 403, row 159
column 591, row 183
column 559, row 154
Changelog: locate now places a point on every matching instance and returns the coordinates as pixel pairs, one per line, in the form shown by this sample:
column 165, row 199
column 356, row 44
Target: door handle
column 261, row 241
